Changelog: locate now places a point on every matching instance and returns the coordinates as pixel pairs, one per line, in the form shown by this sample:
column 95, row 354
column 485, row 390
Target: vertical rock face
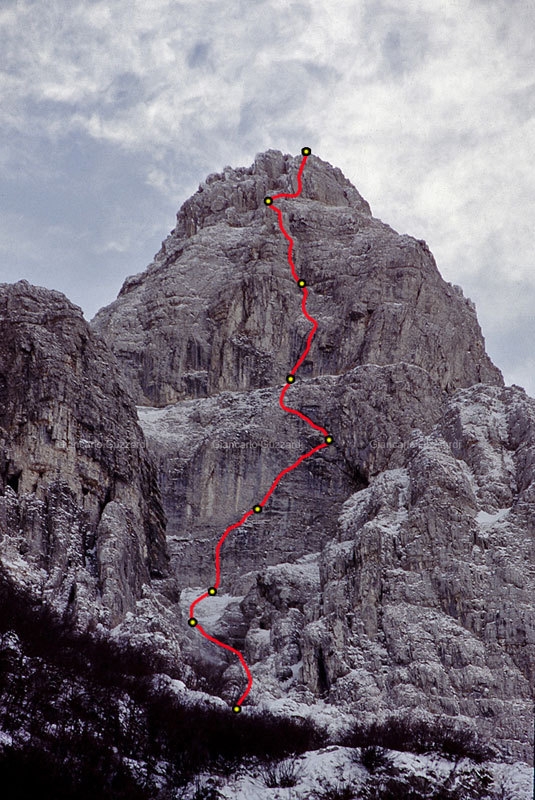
column 217, row 310
column 80, row 508
column 395, row 571
column 217, row 457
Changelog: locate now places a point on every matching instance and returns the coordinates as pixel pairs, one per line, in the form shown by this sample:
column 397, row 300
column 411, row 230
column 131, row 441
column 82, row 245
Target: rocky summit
column 393, row 572
column 218, row 310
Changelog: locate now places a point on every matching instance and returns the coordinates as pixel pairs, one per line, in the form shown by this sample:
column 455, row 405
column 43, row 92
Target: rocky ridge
column 395, row 571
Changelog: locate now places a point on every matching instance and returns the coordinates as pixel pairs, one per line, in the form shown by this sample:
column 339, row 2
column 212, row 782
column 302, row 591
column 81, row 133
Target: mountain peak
column 229, row 318
column 236, row 195
column 374, row 578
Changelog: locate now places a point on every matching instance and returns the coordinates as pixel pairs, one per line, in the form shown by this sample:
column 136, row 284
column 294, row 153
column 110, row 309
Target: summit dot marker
column 305, row 151
column 212, row 591
column 268, row 201
column 301, row 283
column 328, row 439
column 257, row 509
column 192, row 622
column 290, row 378
column 236, row 709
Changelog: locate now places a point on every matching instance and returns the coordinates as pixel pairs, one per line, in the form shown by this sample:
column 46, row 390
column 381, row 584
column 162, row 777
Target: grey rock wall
column 425, row 595
column 393, row 572
column 218, row 456
column 80, row 509
column 218, row 311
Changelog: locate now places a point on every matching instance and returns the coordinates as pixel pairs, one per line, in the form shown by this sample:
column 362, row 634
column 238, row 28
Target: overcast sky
column 113, row 112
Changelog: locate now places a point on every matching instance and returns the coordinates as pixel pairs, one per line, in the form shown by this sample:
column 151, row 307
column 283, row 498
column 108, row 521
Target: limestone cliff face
column 80, row 512
column 218, row 310
column 217, row 456
column 395, row 570
column 426, row 595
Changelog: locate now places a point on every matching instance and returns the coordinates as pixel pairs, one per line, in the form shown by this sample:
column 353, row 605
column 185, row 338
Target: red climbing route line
column 236, row 653
column 289, row 469
column 218, row 560
column 289, row 380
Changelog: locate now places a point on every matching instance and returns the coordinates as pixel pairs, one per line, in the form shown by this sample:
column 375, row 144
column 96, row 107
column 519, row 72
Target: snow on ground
column 6, row 740
column 210, row 610
column 313, row 771
column 485, row 520
column 516, row 779
column 317, row 771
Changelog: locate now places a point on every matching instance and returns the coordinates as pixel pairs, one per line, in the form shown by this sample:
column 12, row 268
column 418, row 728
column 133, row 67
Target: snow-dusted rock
column 80, row 509
column 218, row 309
column 426, row 592
column 418, row 589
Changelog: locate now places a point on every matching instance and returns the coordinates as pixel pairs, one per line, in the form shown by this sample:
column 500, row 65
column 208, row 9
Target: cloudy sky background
column 113, row 112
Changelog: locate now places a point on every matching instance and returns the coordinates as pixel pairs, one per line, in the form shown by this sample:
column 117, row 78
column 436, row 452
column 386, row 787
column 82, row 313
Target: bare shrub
column 374, row 758
column 281, row 774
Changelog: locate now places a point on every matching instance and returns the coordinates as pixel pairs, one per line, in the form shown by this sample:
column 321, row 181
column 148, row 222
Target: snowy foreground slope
column 332, row 772
column 389, row 580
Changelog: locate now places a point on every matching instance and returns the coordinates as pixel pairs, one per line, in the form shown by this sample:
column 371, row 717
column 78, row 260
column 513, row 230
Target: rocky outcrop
column 218, row 310
column 217, row 456
column 415, row 594
column 432, row 578
column 424, row 599
column 80, row 511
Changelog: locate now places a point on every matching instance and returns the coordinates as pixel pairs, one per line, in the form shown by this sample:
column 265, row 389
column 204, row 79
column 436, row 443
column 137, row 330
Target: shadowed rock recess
column 392, row 572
